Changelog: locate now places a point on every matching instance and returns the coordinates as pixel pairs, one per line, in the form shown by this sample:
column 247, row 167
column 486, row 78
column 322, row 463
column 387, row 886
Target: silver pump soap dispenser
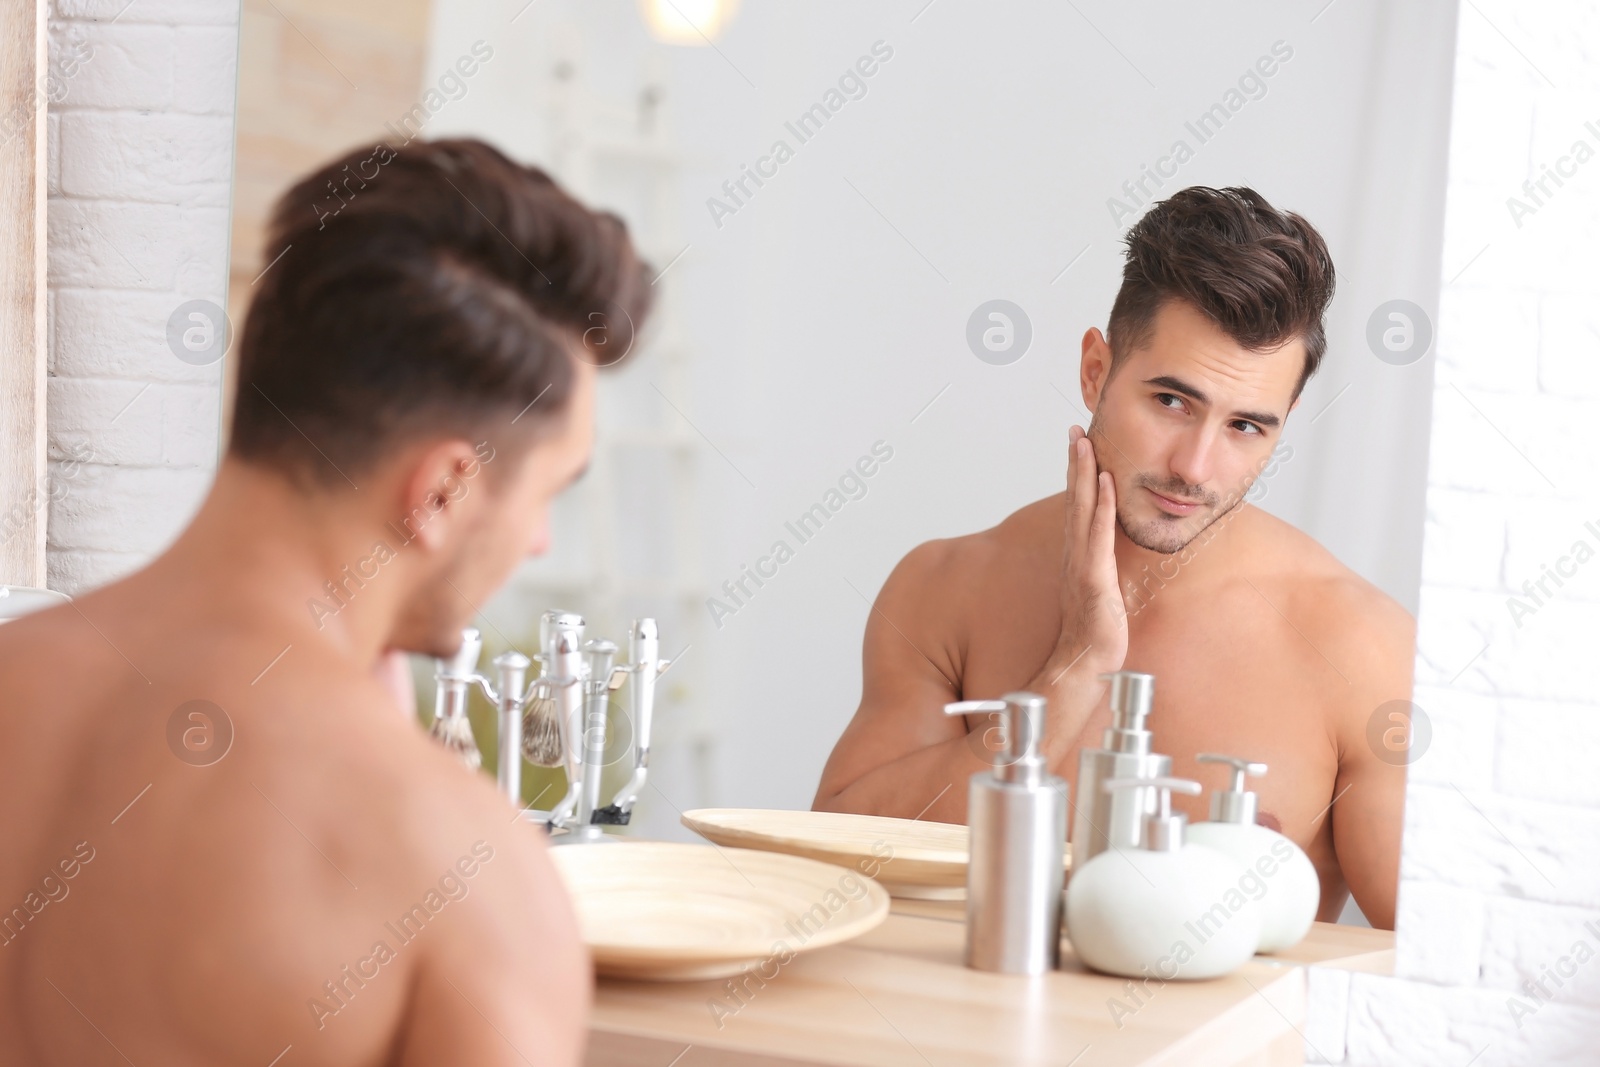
column 1116, row 819
column 1017, row 815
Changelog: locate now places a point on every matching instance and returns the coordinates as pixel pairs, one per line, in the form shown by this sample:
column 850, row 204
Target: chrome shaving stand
column 574, row 687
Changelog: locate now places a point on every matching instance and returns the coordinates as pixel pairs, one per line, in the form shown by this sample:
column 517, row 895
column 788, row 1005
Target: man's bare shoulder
column 299, row 722
column 1369, row 633
column 366, row 773
column 1016, row 544
column 35, row 648
column 1346, row 617
column 345, row 811
column 942, row 585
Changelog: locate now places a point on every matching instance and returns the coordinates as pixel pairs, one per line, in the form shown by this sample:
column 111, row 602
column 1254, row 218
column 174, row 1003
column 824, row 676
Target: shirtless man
column 290, row 872
column 1262, row 644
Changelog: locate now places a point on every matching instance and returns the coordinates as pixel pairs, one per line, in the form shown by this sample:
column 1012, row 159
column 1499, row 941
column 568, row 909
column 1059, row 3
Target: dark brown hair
column 1262, row 275
column 439, row 288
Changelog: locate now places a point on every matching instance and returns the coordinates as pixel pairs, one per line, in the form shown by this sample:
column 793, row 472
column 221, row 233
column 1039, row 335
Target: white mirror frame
column 23, row 157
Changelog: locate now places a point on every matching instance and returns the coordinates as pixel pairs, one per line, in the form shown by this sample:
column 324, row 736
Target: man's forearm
column 928, row 784
column 1074, row 689
column 931, row 783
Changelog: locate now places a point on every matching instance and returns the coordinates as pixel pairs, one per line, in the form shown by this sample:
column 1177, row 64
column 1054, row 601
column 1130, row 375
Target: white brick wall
column 1501, row 865
column 141, row 163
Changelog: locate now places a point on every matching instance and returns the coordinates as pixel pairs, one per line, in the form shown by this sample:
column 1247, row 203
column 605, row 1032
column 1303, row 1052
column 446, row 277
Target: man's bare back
column 214, row 902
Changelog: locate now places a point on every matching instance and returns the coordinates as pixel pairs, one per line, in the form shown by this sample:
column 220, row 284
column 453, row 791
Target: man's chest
column 1239, row 683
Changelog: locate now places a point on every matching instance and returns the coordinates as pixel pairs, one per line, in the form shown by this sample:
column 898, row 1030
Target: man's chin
column 441, row 648
column 1166, row 534
column 437, row 642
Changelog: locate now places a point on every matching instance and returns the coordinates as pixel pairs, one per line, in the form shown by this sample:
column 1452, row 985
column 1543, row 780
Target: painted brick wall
column 141, row 150
column 1499, row 911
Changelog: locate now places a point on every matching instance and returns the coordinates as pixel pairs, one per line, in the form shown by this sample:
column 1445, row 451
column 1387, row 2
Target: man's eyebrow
column 1178, row 385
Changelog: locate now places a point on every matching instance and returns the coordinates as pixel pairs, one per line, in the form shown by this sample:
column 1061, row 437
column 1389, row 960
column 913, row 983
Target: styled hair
column 1262, row 275
column 435, row 289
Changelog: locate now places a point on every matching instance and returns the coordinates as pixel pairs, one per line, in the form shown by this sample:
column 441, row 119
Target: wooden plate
column 912, row 858
column 664, row 911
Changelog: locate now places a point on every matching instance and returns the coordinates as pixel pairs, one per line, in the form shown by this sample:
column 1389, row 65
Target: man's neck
column 271, row 547
column 1145, row 574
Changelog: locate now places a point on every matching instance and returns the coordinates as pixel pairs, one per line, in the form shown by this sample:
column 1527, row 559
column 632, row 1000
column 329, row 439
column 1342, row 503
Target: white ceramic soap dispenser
column 1167, row 909
column 1271, row 867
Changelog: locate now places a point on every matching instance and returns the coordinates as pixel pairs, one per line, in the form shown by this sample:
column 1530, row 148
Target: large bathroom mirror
column 879, row 235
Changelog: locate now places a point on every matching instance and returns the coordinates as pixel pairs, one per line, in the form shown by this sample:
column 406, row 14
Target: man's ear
column 1094, row 367
column 432, row 491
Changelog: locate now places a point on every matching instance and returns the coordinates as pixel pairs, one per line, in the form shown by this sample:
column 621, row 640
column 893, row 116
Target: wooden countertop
column 901, row 995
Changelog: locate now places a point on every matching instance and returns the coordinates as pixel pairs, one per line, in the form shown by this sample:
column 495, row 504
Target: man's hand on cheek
column 1093, row 622
column 1093, row 636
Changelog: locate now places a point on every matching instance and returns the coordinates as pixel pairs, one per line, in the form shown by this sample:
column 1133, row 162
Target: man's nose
column 1193, row 459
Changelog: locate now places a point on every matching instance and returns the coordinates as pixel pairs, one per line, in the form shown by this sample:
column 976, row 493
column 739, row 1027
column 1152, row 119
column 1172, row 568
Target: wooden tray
column 664, row 911
column 912, row 858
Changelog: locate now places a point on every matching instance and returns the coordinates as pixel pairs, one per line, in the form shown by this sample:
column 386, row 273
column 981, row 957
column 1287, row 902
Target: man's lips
column 1177, row 507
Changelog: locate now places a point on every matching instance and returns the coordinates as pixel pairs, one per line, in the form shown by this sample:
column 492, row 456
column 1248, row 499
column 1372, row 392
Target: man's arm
column 1371, row 784
column 901, row 755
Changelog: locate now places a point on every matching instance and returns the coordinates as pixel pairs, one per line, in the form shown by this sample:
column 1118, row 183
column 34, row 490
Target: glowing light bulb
column 687, row 22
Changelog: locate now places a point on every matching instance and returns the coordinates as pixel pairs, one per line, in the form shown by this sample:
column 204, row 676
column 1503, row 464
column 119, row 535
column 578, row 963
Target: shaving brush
column 450, row 726
column 541, row 732
column 454, row 732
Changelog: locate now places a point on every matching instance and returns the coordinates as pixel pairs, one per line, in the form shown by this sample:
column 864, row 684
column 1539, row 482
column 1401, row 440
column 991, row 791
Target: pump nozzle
column 1235, row 804
column 1163, row 831
column 462, row 665
column 1019, row 760
column 1132, row 694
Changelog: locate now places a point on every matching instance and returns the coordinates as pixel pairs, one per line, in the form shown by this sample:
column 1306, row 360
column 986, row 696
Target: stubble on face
column 1163, row 533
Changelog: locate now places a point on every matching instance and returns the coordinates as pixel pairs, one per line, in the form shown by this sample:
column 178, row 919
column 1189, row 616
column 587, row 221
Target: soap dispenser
column 1276, row 870
column 1166, row 909
column 1017, row 815
column 1114, row 820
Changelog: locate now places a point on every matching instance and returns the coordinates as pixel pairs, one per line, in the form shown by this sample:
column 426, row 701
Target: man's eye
column 1162, row 398
column 1249, row 427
